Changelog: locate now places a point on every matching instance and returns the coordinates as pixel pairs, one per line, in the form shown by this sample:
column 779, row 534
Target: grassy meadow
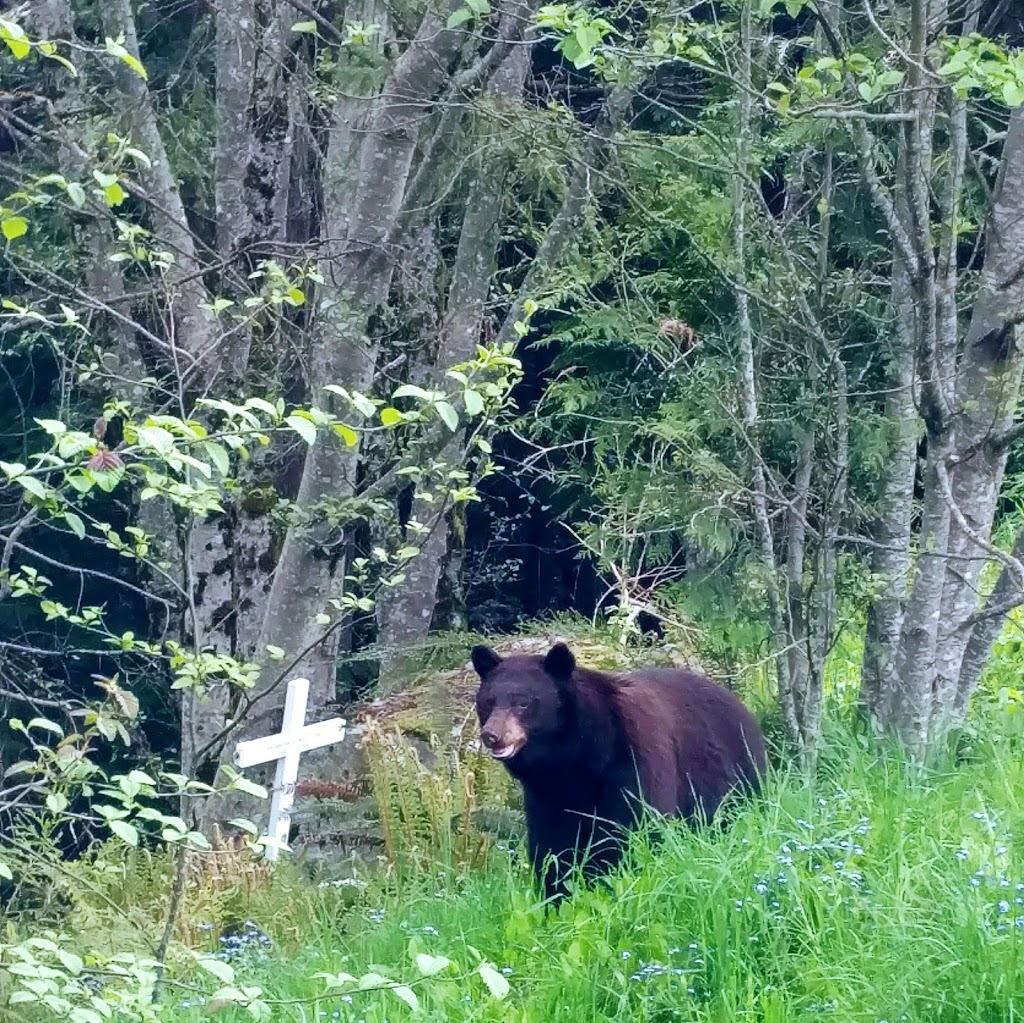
column 865, row 895
column 871, row 892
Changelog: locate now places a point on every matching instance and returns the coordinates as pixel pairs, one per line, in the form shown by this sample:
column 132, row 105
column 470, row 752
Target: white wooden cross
column 294, row 739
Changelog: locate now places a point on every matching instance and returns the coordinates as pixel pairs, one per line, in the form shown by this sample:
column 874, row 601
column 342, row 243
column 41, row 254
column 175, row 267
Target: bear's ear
column 484, row 659
column 559, row 662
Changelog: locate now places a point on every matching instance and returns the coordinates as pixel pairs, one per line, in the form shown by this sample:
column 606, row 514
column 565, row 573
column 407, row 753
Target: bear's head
column 522, row 701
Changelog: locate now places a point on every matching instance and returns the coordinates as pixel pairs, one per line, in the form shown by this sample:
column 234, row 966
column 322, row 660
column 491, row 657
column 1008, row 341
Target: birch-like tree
column 335, row 248
column 850, row 187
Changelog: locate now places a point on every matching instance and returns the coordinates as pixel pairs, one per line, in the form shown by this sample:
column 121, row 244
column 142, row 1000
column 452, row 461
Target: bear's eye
column 521, row 702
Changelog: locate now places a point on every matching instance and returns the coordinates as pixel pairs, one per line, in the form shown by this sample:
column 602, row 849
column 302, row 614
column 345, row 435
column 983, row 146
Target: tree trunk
column 891, row 533
column 405, row 614
column 988, row 392
column 934, row 674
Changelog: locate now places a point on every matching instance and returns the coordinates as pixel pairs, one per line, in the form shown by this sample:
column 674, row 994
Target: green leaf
column 157, row 438
column 12, row 469
column 217, row 968
column 33, row 486
column 72, row 963
column 408, row 996
column 1013, row 94
column 56, row 802
column 115, row 194
column 459, row 17
column 303, row 427
column 308, row 27
column 14, row 36
column 13, row 227
column 572, row 52
column 474, row 402
column 362, row 403
column 389, row 416
column 956, row 64
column 430, row 965
column 75, row 523
column 411, row 391
column 219, row 457
column 250, row 788
column 347, row 434
column 46, row 725
column 6, row 872
column 496, row 982
column 448, row 414
column 63, row 61
column 54, row 427
column 115, row 49
column 125, row 832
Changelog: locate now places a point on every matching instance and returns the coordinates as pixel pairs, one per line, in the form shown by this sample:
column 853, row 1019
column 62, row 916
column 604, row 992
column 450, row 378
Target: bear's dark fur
column 591, row 749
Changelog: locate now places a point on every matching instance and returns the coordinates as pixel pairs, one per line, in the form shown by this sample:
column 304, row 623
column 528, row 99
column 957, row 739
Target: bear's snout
column 503, row 735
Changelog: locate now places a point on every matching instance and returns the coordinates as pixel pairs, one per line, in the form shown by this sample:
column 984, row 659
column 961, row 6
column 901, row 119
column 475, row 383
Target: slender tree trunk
column 123, row 362
column 988, row 393
column 985, row 627
column 303, row 611
column 236, row 31
column 942, row 645
column 798, row 647
column 194, row 343
column 749, row 402
column 406, row 613
column 892, row 533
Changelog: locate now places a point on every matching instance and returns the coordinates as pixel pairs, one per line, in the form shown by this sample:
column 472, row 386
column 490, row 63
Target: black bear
column 591, row 749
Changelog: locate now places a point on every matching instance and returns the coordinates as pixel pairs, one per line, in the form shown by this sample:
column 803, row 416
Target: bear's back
column 692, row 739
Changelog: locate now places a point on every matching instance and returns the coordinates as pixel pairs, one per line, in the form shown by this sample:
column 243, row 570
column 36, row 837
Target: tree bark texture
column 249, row 587
column 927, row 637
column 405, row 614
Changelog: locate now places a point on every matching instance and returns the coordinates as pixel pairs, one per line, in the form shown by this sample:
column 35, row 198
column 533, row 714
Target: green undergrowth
column 868, row 894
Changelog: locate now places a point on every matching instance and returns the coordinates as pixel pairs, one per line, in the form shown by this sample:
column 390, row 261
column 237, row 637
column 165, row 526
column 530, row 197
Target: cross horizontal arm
column 274, row 747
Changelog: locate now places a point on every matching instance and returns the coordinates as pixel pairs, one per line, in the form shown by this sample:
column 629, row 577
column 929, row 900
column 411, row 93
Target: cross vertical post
column 287, row 773
column 294, row 739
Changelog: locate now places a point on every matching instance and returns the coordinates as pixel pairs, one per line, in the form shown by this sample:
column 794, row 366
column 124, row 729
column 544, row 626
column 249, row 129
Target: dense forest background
column 330, row 331
column 335, row 334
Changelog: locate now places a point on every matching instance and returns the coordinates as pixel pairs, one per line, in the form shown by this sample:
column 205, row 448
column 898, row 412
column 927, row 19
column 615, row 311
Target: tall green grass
column 869, row 893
